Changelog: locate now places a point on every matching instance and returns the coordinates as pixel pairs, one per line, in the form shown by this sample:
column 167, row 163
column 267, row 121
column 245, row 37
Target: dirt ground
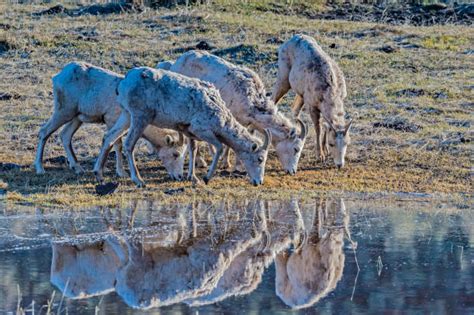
column 410, row 92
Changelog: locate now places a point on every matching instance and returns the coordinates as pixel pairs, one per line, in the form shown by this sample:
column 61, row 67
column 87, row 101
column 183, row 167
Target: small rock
column 5, row 46
column 440, row 95
column 204, row 45
column 397, row 123
column 5, row 167
column 57, row 160
column 349, row 56
column 174, row 191
column 106, row 189
column 388, row 49
column 334, row 46
column 410, row 92
column 5, row 27
column 57, row 9
column 435, row 7
column 274, row 40
column 5, row 96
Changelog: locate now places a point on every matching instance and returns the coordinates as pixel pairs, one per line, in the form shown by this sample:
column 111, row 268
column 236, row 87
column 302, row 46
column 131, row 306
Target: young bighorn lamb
column 319, row 83
column 193, row 107
column 244, row 95
column 84, row 93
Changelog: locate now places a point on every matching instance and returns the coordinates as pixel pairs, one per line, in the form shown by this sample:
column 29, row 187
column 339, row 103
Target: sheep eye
column 331, row 144
column 175, row 155
column 297, row 150
column 260, row 159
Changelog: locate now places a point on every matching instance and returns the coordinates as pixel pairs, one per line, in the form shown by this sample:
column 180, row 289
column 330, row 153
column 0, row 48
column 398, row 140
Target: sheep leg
column 192, row 149
column 219, row 149
column 226, row 159
column 297, row 105
column 114, row 133
column 282, row 84
column 137, row 127
column 66, row 136
column 56, row 121
column 324, row 141
column 315, row 117
column 119, row 159
column 200, row 162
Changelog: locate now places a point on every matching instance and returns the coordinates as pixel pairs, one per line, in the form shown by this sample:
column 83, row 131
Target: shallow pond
column 327, row 255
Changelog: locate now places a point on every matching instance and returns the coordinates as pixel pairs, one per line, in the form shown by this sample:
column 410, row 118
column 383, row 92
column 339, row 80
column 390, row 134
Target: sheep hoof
column 78, row 169
column 140, row 184
column 121, row 173
column 40, row 170
column 206, row 180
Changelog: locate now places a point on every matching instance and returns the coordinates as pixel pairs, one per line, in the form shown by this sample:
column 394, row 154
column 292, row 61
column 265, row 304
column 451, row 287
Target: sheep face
column 172, row 156
column 254, row 162
column 289, row 153
column 255, row 159
column 338, row 140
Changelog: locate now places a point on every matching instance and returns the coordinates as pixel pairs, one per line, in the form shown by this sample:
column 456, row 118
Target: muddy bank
column 413, row 14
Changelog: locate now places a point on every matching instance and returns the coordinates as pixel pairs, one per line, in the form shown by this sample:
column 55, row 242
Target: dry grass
column 435, row 158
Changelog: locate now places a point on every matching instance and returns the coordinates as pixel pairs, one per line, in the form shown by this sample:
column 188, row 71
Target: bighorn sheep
column 193, row 107
column 319, row 83
column 85, row 93
column 244, row 95
column 314, row 269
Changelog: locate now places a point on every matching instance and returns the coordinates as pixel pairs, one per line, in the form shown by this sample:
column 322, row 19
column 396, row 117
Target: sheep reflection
column 201, row 254
column 313, row 270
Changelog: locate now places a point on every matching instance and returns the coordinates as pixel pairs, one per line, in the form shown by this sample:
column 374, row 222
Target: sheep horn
column 348, row 127
column 268, row 139
column 304, row 129
column 180, row 139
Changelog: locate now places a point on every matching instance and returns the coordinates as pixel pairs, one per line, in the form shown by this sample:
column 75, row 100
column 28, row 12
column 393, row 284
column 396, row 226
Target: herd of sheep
column 203, row 98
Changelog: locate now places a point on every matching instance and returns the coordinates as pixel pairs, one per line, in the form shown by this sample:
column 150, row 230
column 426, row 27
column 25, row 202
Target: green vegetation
column 413, row 107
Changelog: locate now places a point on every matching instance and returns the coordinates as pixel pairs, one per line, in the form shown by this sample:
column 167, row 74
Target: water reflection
column 241, row 256
column 201, row 255
column 312, row 270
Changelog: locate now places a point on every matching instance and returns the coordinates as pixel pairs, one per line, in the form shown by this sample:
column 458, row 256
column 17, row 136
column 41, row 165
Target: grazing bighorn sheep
column 190, row 106
column 244, row 95
column 85, row 93
column 314, row 269
column 319, row 83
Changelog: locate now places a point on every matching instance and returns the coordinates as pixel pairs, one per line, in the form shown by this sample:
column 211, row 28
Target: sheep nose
column 291, row 172
column 339, row 166
column 256, row 182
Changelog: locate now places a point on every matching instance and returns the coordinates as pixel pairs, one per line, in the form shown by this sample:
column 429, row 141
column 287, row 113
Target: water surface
column 327, row 255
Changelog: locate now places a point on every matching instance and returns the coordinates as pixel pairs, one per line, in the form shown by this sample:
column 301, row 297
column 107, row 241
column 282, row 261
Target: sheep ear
column 329, row 123
column 254, row 147
column 348, row 126
column 169, row 140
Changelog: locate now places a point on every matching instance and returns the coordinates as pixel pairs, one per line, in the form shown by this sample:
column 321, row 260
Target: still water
column 326, row 255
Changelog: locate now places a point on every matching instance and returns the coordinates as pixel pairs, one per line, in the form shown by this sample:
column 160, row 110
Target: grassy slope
column 433, row 159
